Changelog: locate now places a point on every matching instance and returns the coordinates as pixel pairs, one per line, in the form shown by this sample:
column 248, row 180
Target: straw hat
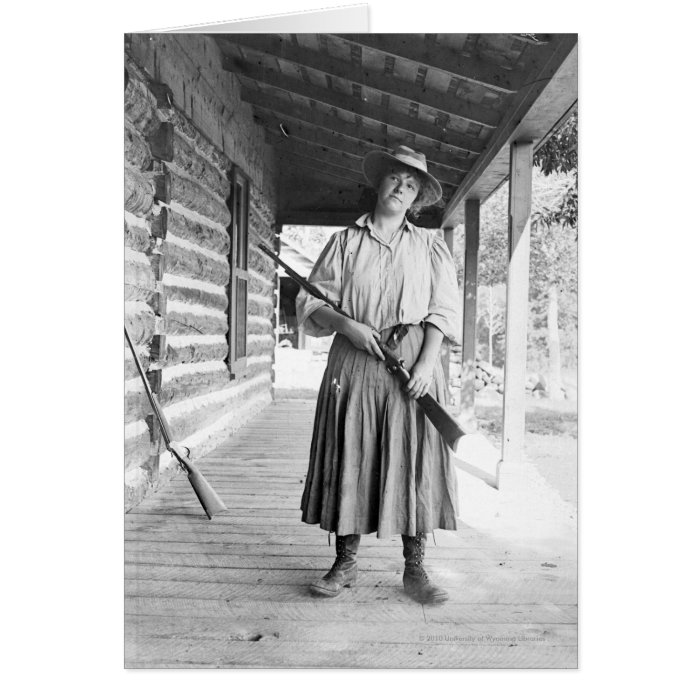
column 376, row 163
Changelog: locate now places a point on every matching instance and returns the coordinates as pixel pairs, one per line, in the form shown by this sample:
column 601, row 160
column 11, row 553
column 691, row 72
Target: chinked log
column 184, row 127
column 259, row 286
column 183, row 322
column 136, row 150
column 260, row 262
column 260, row 344
column 137, row 486
column 260, row 208
column 130, row 370
column 187, row 386
column 197, row 352
column 258, row 325
column 139, row 282
column 140, row 321
column 138, row 192
column 136, row 405
column 140, row 107
column 199, row 415
column 136, row 237
column 186, row 262
column 193, row 295
column 198, row 168
column 192, row 195
column 260, row 307
column 137, row 448
column 209, row 237
column 254, row 369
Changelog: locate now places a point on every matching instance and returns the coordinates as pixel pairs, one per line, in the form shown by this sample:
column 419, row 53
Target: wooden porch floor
column 233, row 592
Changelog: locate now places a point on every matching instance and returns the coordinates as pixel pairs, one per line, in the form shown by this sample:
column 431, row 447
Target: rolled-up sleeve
column 327, row 276
column 443, row 309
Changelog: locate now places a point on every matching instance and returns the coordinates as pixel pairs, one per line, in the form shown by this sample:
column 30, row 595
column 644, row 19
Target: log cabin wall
column 184, row 132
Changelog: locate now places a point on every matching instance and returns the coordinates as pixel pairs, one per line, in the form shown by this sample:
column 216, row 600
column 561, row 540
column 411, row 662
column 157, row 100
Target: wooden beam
column 285, row 109
column 277, row 47
column 348, row 165
column 469, row 314
column 519, row 206
column 410, row 47
column 442, row 165
column 449, row 138
column 305, row 137
column 530, row 117
column 317, row 167
column 449, row 235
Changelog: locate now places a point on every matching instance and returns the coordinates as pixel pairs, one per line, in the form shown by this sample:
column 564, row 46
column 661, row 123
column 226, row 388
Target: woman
column 377, row 464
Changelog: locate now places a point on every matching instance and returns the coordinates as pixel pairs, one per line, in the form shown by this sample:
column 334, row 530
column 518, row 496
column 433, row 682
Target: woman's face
column 397, row 190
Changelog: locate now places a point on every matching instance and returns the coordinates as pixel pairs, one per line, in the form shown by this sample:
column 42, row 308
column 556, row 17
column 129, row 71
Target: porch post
column 472, row 208
column 519, row 205
column 449, row 235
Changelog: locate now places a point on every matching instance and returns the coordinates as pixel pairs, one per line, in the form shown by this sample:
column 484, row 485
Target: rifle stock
column 206, row 495
column 446, row 425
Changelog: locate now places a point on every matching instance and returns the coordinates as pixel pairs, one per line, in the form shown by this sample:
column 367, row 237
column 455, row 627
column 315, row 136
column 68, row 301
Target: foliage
column 560, row 155
column 309, row 239
column 553, row 261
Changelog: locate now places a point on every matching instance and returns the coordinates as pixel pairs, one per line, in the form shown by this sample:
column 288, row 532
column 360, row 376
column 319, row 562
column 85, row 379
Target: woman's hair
column 415, row 208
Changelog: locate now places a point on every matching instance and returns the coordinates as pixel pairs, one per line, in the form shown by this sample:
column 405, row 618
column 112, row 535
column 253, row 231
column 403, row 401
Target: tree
column 491, row 320
column 310, row 239
column 560, row 155
column 553, row 282
column 553, row 285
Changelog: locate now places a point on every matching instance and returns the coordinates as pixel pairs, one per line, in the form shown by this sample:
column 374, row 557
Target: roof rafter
column 349, row 166
column 275, row 46
column 471, row 69
column 336, row 146
column 316, row 167
column 442, row 165
column 370, row 134
column 518, row 121
column 449, row 138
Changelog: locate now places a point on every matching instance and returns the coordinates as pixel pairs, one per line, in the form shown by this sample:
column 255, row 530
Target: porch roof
column 325, row 100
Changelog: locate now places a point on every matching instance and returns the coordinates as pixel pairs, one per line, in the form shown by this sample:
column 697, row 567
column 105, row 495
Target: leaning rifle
column 446, row 425
column 209, row 499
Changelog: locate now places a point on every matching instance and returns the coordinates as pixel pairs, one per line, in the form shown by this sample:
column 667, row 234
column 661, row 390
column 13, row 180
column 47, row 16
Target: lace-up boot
column 343, row 573
column 415, row 579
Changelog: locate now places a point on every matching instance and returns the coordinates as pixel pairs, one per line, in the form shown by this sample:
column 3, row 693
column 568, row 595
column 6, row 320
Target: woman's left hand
column 421, row 379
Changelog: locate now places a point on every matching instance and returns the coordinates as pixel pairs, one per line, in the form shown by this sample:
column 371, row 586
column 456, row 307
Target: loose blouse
column 411, row 279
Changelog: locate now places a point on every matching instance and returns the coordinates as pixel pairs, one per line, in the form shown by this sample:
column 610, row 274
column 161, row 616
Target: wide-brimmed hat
column 376, row 163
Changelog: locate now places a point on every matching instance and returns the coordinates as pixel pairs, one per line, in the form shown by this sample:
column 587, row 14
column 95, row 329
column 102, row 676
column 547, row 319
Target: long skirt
column 377, row 464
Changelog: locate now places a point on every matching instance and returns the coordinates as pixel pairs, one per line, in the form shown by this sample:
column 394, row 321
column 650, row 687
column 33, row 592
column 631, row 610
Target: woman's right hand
column 363, row 337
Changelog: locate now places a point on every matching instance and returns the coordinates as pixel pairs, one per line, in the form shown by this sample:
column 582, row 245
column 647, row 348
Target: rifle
column 209, row 499
column 446, row 425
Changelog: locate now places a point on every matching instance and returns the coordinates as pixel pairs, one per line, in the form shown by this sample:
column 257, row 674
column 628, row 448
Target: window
column 238, row 286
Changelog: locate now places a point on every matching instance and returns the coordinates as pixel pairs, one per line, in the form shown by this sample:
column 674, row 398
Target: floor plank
column 233, row 592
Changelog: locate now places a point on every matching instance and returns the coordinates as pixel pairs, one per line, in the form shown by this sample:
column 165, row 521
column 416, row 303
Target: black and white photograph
column 350, row 350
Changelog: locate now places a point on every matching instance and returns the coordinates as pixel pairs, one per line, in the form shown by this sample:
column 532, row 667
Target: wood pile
column 488, row 376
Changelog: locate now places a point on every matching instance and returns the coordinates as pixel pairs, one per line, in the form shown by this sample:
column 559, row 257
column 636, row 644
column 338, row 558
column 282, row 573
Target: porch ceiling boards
column 233, row 592
column 325, row 100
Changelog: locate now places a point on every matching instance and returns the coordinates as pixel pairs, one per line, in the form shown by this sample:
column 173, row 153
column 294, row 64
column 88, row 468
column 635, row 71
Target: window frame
column 239, row 207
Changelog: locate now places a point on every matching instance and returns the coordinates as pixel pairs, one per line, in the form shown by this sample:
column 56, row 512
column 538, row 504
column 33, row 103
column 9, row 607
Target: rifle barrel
column 157, row 410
